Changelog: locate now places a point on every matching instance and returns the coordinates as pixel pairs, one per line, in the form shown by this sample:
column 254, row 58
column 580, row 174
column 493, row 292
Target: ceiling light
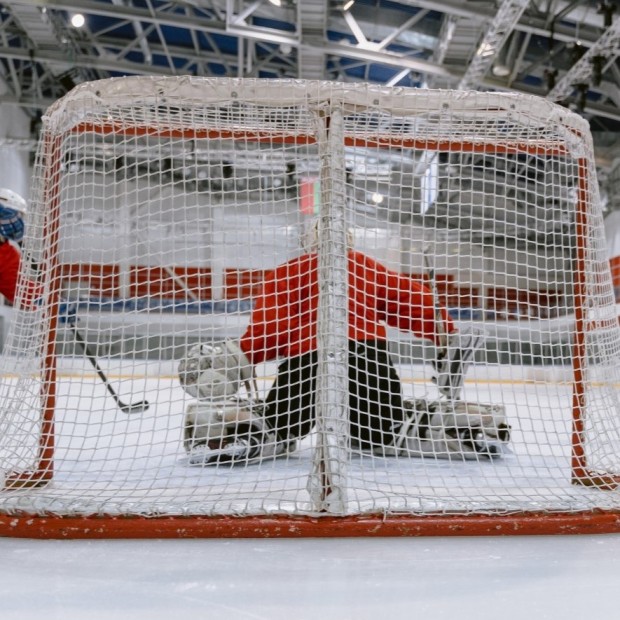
column 377, row 198
column 77, row 20
column 276, row 2
column 347, row 5
column 500, row 70
column 485, row 50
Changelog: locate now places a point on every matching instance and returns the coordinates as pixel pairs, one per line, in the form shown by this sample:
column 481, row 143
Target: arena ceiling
column 559, row 49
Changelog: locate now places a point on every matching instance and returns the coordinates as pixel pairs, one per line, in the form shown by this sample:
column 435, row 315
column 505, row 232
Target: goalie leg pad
column 229, row 432
column 209, row 420
column 453, row 430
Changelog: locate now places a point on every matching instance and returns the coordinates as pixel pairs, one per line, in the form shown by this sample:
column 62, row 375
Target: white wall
column 14, row 169
column 131, row 222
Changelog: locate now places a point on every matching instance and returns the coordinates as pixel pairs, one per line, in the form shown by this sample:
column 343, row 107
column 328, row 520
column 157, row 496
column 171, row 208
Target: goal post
column 162, row 210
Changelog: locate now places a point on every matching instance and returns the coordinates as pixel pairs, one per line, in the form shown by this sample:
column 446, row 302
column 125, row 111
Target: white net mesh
column 337, row 232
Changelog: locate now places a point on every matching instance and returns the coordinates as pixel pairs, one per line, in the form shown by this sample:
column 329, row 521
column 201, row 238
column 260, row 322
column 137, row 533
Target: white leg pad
column 454, row 430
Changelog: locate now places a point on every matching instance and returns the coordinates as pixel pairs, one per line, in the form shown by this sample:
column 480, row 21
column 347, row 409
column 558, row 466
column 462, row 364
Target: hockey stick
column 479, row 443
column 138, row 407
column 440, row 322
column 439, row 318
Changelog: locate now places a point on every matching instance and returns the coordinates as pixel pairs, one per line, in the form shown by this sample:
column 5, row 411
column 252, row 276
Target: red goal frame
column 113, row 526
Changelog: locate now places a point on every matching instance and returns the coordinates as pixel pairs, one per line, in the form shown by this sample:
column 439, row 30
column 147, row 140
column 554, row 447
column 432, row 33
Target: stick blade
column 139, row 407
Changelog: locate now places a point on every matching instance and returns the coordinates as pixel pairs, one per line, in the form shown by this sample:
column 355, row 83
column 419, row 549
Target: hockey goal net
column 159, row 208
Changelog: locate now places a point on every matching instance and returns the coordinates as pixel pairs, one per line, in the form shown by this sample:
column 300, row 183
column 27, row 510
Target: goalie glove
column 453, row 430
column 215, row 371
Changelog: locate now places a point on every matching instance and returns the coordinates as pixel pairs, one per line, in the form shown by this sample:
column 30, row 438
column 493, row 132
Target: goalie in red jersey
column 283, row 326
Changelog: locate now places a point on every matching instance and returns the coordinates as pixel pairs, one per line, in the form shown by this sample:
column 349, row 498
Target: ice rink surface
column 512, row 578
column 507, row 578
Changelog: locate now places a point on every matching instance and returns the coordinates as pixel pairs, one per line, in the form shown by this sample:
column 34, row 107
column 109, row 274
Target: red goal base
column 138, row 527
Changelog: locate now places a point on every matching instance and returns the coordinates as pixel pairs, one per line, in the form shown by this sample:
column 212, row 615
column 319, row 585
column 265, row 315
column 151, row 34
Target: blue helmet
column 12, row 209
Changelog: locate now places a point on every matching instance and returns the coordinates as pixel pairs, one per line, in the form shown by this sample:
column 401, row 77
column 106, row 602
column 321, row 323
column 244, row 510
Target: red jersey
column 283, row 323
column 9, row 268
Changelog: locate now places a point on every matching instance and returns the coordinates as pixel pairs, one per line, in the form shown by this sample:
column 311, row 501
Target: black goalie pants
column 375, row 398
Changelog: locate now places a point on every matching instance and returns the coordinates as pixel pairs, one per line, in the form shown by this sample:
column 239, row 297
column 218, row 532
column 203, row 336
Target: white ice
column 508, row 578
column 519, row 578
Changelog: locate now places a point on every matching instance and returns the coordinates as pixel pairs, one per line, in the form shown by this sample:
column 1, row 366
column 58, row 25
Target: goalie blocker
column 215, row 371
